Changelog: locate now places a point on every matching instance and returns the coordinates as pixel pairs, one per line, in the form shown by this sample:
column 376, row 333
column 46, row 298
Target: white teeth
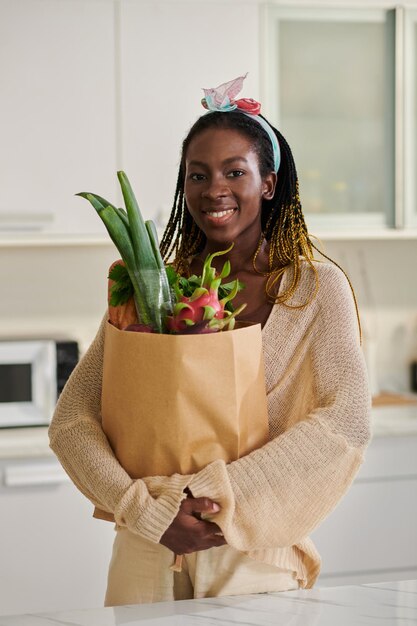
column 219, row 213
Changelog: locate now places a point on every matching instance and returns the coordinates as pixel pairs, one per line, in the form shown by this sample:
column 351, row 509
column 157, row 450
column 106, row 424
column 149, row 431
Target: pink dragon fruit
column 203, row 311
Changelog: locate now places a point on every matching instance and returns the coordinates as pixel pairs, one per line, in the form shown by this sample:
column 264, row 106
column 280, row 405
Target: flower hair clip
column 222, row 99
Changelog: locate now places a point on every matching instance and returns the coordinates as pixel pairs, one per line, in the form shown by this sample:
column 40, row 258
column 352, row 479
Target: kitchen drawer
column 373, row 528
column 390, row 457
column 54, row 554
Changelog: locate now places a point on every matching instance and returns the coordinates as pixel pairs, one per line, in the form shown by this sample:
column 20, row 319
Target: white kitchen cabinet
column 58, row 120
column 53, row 554
column 371, row 535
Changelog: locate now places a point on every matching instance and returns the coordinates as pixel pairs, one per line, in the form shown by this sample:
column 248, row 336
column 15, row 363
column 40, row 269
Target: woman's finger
column 200, row 505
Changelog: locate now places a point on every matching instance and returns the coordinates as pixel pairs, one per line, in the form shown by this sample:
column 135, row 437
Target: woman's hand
column 188, row 532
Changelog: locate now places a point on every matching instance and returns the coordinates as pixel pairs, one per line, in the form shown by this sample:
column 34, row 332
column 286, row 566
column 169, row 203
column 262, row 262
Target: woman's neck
column 241, row 258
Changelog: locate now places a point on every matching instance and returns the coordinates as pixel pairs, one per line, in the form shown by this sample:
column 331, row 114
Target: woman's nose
column 215, row 189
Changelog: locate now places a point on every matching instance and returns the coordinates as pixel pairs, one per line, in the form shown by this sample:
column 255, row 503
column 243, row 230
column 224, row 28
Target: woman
column 237, row 184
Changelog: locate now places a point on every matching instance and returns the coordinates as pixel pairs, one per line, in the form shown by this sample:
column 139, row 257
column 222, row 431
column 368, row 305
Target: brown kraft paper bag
column 175, row 403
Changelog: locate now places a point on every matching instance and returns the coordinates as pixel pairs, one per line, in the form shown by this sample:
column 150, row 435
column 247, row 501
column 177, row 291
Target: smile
column 219, row 214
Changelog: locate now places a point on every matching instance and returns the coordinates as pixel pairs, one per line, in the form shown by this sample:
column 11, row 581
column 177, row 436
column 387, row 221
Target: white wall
column 180, row 47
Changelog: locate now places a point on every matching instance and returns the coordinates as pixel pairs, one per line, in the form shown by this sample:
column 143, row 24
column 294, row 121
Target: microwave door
column 27, row 382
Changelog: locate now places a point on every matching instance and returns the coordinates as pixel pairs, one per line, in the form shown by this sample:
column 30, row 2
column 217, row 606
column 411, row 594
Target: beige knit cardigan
column 272, row 499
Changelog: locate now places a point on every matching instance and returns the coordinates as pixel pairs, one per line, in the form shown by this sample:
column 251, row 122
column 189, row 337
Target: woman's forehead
column 220, row 141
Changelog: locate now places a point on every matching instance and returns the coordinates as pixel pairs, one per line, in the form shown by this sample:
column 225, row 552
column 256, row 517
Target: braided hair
column 282, row 220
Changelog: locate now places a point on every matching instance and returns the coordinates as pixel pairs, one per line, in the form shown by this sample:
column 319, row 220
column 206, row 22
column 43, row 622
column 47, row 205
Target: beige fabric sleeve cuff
column 150, row 516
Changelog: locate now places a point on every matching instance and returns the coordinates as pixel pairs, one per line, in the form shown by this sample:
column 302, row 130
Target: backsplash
column 383, row 277
column 63, row 290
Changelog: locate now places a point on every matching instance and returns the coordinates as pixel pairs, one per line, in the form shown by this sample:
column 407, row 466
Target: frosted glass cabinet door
column 329, row 87
column 57, row 126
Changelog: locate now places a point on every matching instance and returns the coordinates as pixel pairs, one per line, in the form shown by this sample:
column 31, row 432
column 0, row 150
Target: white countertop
column 393, row 604
column 33, row 442
column 394, row 420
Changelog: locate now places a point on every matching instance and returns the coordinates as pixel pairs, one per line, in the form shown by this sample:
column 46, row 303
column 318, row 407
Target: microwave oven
column 33, row 372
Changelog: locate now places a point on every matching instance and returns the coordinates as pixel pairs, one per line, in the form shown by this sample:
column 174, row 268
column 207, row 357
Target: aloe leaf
column 97, row 201
column 120, row 236
column 121, row 240
column 123, row 215
column 142, row 247
column 118, row 233
column 164, row 282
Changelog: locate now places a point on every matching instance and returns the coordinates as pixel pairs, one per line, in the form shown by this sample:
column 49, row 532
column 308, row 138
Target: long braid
column 286, row 232
column 169, row 240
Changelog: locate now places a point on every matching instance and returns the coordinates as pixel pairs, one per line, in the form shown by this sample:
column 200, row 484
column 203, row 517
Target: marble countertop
column 394, row 604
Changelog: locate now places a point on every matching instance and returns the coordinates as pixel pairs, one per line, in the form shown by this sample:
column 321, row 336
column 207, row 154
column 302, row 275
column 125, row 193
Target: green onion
column 137, row 243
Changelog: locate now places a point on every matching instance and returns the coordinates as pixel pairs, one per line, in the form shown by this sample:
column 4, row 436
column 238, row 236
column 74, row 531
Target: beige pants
column 140, row 572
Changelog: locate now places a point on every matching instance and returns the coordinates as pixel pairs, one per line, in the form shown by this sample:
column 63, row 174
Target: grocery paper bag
column 175, row 403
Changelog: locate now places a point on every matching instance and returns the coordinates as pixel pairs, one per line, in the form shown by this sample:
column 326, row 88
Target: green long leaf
column 121, row 238
column 123, row 215
column 166, row 291
column 116, row 229
column 97, row 201
column 142, row 247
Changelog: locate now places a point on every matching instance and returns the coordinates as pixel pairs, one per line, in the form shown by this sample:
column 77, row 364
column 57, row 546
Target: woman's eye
column 235, row 174
column 196, row 176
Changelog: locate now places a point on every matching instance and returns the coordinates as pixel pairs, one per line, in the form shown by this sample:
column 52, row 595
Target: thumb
column 202, row 505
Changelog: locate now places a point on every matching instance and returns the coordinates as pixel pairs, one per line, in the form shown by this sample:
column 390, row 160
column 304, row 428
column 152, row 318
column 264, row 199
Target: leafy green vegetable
column 122, row 290
column 138, row 246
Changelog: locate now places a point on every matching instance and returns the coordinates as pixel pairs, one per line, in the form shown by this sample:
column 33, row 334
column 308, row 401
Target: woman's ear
column 268, row 186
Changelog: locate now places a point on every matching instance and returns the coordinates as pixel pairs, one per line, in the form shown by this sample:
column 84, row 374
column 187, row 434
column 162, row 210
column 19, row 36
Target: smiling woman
column 237, row 185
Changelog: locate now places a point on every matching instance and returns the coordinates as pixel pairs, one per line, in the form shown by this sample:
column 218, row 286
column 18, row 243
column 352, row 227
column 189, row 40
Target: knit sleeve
column 82, row 447
column 277, row 495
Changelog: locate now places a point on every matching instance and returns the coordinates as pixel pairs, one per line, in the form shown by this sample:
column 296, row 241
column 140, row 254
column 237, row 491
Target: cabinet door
column 329, row 87
column 54, row 555
column 57, row 131
column 168, row 51
column 372, row 532
column 373, row 529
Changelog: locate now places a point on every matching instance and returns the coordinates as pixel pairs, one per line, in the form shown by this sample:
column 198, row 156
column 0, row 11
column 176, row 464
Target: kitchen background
column 93, row 86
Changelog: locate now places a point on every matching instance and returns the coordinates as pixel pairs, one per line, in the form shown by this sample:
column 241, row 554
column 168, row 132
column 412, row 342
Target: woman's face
column 224, row 188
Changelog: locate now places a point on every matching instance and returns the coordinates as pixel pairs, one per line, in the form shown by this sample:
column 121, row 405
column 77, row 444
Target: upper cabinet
column 57, row 114
column 339, row 85
column 93, row 86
